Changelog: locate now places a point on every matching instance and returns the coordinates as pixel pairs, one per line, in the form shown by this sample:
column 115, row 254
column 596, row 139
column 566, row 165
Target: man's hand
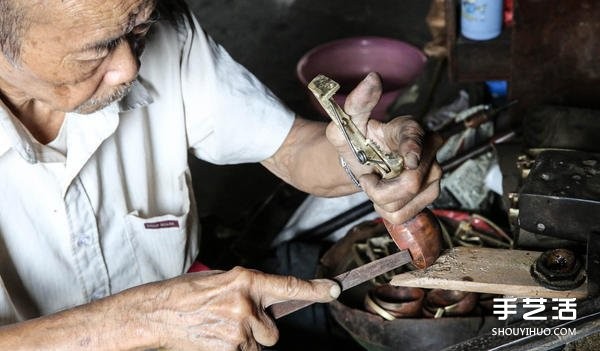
column 401, row 198
column 220, row 310
column 198, row 311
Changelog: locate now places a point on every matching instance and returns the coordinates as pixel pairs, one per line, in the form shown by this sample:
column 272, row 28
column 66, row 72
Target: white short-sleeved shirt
column 118, row 210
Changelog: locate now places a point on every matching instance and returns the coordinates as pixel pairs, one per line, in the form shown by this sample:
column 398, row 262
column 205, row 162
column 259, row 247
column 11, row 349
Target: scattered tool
column 473, row 117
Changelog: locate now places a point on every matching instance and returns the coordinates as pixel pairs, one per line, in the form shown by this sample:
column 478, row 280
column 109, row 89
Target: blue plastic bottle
column 481, row 19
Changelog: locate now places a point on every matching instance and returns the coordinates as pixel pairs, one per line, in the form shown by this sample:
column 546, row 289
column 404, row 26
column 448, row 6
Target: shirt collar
column 14, row 135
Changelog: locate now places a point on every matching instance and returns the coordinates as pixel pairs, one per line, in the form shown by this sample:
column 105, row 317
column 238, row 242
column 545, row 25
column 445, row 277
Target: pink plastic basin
column 349, row 60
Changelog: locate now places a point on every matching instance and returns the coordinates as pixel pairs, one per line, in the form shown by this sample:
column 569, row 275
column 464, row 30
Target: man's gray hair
column 13, row 25
column 171, row 10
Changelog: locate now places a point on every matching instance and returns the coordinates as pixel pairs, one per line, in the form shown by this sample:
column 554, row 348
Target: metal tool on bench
column 419, row 235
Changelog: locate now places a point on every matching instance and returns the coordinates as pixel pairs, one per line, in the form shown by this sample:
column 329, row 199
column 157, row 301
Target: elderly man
column 97, row 220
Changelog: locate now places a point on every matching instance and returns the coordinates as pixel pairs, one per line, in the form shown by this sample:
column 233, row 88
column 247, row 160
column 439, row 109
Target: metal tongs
column 388, row 165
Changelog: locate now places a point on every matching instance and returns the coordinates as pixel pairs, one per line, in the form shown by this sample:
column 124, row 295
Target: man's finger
column 385, row 192
column 404, row 187
column 416, row 205
column 263, row 329
column 410, row 140
column 431, row 145
column 435, row 173
column 361, row 101
column 386, row 195
column 275, row 288
column 249, row 345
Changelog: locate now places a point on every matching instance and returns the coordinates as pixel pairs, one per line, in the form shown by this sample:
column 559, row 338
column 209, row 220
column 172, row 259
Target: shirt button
column 83, row 240
column 98, row 294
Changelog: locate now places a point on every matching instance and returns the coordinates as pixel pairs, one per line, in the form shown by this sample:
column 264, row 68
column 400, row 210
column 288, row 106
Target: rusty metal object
column 473, row 117
column 524, row 164
column 558, row 269
column 421, row 236
column 375, row 333
column 439, row 303
column 561, row 196
column 458, row 160
column 391, row 302
column 409, row 334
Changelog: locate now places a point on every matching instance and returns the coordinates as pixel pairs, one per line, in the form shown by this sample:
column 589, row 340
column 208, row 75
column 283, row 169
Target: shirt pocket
column 164, row 245
column 159, row 244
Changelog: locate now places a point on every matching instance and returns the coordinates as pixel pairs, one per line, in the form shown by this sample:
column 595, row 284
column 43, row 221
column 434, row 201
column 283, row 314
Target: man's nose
column 124, row 65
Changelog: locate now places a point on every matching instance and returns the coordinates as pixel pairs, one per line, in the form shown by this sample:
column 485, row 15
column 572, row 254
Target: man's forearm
column 309, row 162
column 210, row 310
column 101, row 325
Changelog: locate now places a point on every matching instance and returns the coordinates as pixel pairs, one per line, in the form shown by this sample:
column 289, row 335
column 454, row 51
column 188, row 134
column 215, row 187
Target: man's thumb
column 361, row 101
column 290, row 288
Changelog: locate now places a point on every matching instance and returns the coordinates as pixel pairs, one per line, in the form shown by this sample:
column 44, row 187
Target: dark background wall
column 270, row 36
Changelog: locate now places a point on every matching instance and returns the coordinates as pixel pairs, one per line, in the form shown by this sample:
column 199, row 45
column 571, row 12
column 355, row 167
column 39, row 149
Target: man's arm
column 198, row 311
column 309, row 158
column 309, row 162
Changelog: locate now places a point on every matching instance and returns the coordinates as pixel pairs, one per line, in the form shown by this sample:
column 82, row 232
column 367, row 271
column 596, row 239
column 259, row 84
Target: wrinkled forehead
column 87, row 14
column 75, row 24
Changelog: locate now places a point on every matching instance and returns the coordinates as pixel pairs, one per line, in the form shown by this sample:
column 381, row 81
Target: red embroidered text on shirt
column 161, row 225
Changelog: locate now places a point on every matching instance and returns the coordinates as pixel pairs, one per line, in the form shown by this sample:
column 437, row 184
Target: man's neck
column 43, row 123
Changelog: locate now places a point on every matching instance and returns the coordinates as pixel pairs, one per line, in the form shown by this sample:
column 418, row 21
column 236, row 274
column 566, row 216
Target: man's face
column 79, row 55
